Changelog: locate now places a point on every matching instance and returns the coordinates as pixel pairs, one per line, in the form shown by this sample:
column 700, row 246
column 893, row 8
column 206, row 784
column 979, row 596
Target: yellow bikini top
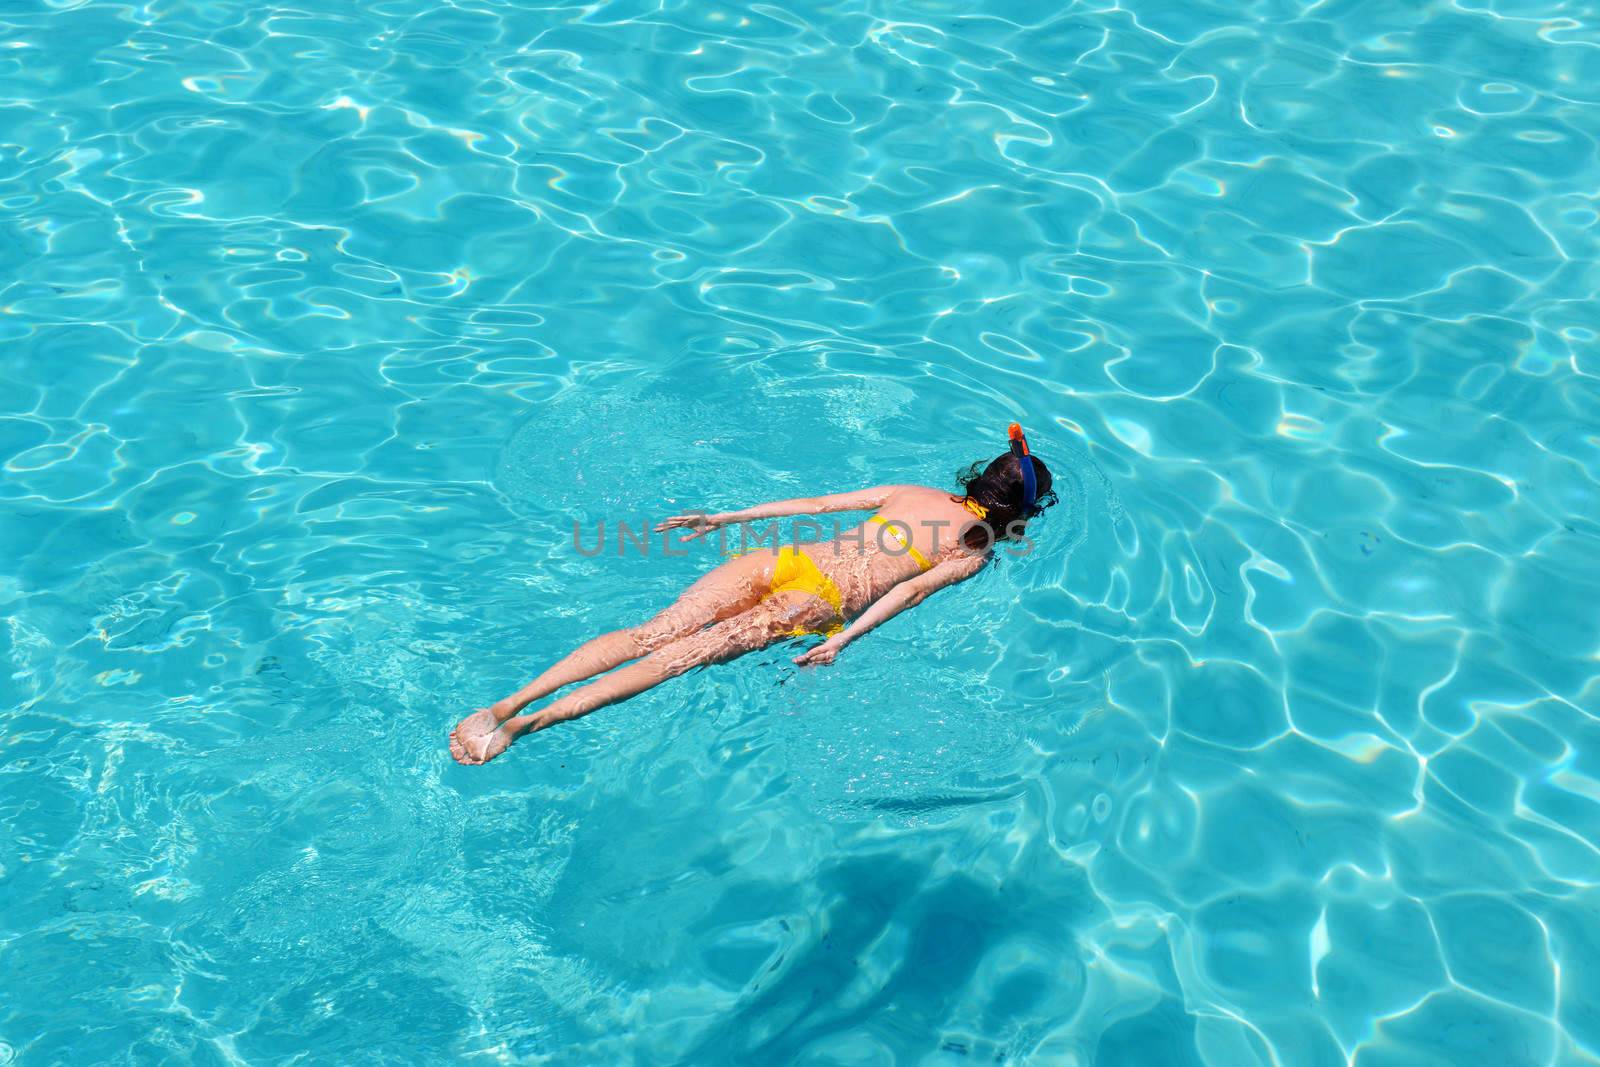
column 905, row 542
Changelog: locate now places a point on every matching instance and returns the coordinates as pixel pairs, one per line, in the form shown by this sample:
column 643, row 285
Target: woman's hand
column 698, row 521
column 822, row 655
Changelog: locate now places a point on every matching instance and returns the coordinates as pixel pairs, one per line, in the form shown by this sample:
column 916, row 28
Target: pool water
column 321, row 327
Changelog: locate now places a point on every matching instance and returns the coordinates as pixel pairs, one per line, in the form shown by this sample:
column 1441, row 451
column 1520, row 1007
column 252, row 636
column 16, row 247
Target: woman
column 920, row 541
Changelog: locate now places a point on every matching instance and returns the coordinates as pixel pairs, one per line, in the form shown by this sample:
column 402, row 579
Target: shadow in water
column 915, row 965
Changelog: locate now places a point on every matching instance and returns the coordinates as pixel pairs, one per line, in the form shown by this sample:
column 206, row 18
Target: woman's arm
column 860, row 500
column 908, row 594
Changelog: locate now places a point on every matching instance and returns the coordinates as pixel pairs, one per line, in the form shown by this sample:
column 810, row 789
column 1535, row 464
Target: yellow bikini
column 905, row 542
column 794, row 571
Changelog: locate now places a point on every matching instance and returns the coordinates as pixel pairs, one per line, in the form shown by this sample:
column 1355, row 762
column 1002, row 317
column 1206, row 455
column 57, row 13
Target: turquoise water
column 321, row 326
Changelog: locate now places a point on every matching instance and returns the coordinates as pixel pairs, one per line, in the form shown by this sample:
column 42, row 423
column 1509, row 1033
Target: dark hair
column 998, row 488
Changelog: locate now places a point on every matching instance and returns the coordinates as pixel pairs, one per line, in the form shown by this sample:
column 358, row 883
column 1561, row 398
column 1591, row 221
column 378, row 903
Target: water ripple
column 323, row 326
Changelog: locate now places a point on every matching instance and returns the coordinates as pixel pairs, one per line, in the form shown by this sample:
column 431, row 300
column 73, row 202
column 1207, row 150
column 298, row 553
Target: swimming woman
column 919, row 541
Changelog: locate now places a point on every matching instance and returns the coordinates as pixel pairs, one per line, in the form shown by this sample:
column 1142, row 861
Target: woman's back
column 913, row 530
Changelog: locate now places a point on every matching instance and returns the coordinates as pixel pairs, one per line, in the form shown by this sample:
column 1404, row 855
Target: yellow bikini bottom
column 794, row 571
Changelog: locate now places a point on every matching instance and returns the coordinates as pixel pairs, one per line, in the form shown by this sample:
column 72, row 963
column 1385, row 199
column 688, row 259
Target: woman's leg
column 756, row 628
column 721, row 593
column 725, row 591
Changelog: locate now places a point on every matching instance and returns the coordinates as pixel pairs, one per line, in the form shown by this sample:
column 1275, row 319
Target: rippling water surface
column 320, row 325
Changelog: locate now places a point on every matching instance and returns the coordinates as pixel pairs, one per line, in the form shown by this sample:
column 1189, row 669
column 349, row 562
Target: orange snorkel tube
column 1019, row 448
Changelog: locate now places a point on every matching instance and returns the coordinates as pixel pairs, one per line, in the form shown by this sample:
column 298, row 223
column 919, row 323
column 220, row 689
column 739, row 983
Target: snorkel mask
column 1019, row 448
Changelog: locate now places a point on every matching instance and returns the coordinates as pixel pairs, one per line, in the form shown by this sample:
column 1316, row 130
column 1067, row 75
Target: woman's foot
column 480, row 737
